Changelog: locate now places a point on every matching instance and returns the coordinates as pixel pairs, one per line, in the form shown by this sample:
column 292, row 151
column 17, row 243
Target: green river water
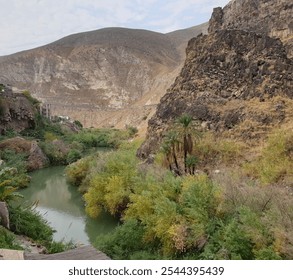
column 62, row 206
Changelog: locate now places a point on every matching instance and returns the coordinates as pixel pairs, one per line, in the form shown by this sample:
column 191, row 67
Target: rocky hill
column 234, row 81
column 109, row 77
column 269, row 17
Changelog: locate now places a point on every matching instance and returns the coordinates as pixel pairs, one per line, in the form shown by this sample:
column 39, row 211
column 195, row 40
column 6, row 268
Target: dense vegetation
column 62, row 143
column 204, row 197
column 192, row 216
column 188, row 216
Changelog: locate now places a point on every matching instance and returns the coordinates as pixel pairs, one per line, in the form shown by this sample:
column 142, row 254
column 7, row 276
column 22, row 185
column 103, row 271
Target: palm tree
column 173, row 144
column 166, row 150
column 191, row 162
column 187, row 130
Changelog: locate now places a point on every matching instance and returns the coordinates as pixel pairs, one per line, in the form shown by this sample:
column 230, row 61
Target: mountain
column 108, row 77
column 235, row 81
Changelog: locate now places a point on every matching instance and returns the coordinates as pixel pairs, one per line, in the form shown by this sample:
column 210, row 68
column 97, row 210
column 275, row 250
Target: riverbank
column 62, row 206
column 58, row 144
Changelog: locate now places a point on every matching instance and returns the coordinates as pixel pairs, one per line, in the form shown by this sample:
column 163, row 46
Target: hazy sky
column 26, row 24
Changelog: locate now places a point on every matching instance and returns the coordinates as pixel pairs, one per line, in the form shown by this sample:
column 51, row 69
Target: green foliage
column 7, row 191
column 56, row 151
column 111, row 187
column 44, row 128
column 14, row 159
column 73, row 155
column 188, row 216
column 211, row 150
column 125, row 243
column 78, row 124
column 10, row 133
column 13, row 178
column 178, row 146
column 132, row 131
column 276, row 160
column 76, row 172
column 58, row 247
column 7, row 240
column 28, row 222
column 110, row 138
column 14, row 169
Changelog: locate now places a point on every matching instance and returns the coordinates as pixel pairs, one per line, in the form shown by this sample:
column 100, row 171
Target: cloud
column 31, row 23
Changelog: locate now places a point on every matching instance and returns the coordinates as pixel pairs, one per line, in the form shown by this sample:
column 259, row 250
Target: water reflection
column 62, row 206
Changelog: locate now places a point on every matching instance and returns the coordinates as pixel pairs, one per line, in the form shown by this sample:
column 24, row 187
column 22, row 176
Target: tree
column 178, row 145
column 172, row 147
column 186, row 129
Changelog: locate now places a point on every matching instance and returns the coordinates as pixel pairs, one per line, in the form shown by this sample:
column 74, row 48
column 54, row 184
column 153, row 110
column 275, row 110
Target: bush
column 76, row 172
column 73, row 156
column 78, row 124
column 132, row 131
column 14, row 169
column 56, row 151
column 28, row 222
column 125, row 243
column 211, row 150
column 14, row 159
column 7, row 240
column 58, row 247
column 276, row 160
column 110, row 188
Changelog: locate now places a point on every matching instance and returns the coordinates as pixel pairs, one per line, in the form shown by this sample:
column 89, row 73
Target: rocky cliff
column 16, row 111
column 269, row 17
column 108, row 77
column 234, row 81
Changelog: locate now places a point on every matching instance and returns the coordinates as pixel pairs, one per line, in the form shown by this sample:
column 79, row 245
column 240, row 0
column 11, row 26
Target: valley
column 200, row 126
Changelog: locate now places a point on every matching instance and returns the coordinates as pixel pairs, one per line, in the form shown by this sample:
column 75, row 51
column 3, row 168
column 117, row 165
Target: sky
column 26, row 24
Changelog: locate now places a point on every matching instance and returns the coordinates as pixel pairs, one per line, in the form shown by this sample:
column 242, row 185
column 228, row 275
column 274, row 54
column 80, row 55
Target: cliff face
column 235, row 81
column 16, row 111
column 269, row 17
column 111, row 77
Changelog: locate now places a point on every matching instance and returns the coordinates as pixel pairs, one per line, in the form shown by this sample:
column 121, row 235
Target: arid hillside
column 237, row 80
column 111, row 77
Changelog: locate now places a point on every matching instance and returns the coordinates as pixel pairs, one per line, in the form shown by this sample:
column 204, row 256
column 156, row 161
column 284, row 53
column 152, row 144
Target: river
column 62, row 206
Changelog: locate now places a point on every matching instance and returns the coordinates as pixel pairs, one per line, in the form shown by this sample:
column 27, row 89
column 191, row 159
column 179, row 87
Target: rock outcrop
column 36, row 158
column 233, row 80
column 269, row 17
column 4, row 215
column 16, row 111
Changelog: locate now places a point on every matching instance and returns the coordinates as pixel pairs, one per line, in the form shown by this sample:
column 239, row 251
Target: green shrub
column 58, row 247
column 73, row 156
column 124, row 243
column 276, row 160
column 78, row 124
column 77, row 171
column 7, row 240
column 111, row 186
column 132, row 131
column 14, row 169
column 14, row 159
column 56, row 151
column 28, row 222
